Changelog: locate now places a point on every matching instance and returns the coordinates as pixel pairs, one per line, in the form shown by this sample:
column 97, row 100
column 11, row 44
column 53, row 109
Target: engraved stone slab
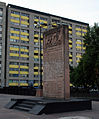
column 56, row 63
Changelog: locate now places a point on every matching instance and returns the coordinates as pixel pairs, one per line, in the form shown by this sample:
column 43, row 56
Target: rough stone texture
column 56, row 63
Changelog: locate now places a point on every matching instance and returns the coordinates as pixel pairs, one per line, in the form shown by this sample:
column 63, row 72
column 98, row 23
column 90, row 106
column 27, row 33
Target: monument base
column 39, row 92
column 41, row 105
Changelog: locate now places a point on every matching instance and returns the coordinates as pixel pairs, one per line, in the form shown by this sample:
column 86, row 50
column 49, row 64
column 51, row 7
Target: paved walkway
column 14, row 114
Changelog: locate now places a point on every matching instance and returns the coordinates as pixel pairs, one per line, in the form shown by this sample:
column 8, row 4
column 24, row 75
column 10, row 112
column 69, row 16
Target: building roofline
column 47, row 14
column 3, row 3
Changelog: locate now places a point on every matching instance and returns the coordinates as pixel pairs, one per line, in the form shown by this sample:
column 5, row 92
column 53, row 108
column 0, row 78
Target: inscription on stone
column 53, row 40
column 56, row 63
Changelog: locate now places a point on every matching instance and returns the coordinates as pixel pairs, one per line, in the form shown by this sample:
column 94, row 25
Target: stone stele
column 56, row 82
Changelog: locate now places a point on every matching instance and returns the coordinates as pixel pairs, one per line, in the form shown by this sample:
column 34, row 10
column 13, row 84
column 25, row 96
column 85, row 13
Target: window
column 14, row 40
column 0, row 68
column 35, row 70
column 36, row 33
column 14, row 75
column 14, row 63
column 84, row 31
column 36, row 76
column 70, row 25
column 70, row 45
column 36, row 59
column 24, row 75
column 13, row 51
column 13, row 23
column 24, row 20
column 24, row 25
column 14, row 54
column 25, row 53
column 70, row 29
column 24, row 64
column 15, row 12
column 24, row 47
column 70, row 40
column 21, row 69
column 43, row 22
column 23, row 81
column 13, row 34
column 1, row 19
column 36, row 48
column 36, row 43
column 14, row 69
column 24, row 58
column 24, row 36
column 15, row 46
column 1, row 12
column 24, row 14
column 79, row 45
column 78, row 40
column 55, row 21
column 36, row 54
column 26, row 31
column 14, row 57
column 0, row 28
column 42, row 18
column 78, row 30
column 0, row 32
column 36, row 65
column 0, row 50
column 36, row 21
column 13, row 81
column 22, row 41
column 14, row 29
column 15, row 20
column 36, row 17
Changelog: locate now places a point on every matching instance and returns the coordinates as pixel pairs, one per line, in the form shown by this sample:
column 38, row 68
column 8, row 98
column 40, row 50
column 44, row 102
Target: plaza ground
column 15, row 114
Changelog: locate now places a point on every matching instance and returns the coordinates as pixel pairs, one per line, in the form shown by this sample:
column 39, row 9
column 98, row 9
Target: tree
column 87, row 72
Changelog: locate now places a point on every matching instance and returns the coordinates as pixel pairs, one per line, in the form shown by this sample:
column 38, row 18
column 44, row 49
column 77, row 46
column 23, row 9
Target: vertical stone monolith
column 56, row 82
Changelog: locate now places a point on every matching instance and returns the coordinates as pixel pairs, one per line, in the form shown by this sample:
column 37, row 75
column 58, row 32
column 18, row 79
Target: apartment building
column 24, row 40
column 2, row 42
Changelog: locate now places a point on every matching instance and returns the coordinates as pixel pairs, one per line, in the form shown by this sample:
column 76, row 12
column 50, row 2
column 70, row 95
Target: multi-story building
column 24, row 53
column 2, row 42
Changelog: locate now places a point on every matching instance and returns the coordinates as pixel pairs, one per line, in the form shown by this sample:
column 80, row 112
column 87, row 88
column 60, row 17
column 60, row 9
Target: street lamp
column 39, row 25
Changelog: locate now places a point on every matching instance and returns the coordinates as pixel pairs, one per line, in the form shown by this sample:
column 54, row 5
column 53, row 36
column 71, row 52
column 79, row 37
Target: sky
column 81, row 10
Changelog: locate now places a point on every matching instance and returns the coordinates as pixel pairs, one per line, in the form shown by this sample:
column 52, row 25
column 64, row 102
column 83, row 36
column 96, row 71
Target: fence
column 18, row 91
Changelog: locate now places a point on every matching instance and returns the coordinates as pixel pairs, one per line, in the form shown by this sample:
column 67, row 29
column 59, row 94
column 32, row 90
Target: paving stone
column 14, row 114
column 75, row 117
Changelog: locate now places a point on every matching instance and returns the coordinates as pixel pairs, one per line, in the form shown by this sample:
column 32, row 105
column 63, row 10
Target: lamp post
column 40, row 62
column 40, row 66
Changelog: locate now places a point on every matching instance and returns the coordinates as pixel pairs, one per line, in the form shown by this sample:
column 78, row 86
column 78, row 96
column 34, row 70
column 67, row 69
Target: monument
column 56, row 82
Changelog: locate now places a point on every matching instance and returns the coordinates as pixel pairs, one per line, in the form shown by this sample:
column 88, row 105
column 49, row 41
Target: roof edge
column 47, row 14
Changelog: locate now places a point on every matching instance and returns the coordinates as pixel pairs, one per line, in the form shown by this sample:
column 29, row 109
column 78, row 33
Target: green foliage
column 86, row 74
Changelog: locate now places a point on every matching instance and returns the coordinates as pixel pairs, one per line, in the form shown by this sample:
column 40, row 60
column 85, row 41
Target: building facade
column 2, row 42
column 24, row 40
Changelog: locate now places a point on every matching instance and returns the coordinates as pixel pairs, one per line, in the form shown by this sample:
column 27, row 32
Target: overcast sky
column 82, row 10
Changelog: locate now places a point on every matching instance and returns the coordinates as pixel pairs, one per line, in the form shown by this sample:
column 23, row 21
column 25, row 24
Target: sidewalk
column 14, row 114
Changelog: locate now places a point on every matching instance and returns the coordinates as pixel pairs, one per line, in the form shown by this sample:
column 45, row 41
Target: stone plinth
column 56, row 82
